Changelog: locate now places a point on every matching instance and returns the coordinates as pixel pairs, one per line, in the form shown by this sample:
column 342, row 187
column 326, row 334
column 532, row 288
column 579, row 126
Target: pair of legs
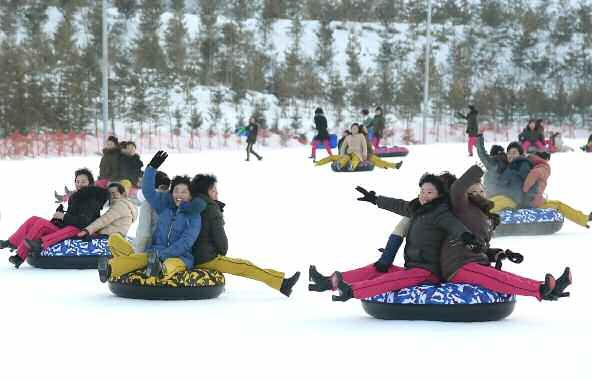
column 538, row 144
column 471, row 144
column 251, row 151
column 342, row 160
column 508, row 283
column 572, row 214
column 126, row 260
column 378, row 162
column 37, row 228
column 314, row 145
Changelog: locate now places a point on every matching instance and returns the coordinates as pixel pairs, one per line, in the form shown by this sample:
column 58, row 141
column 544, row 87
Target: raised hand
column 368, row 196
column 158, row 159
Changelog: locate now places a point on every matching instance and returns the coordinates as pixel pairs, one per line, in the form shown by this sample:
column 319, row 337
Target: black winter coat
column 84, row 206
column 472, row 124
column 109, row 166
column 431, row 225
column 252, row 131
column 321, row 127
column 212, row 240
column 130, row 167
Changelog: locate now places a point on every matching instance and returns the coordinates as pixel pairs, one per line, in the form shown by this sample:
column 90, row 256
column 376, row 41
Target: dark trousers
column 251, row 151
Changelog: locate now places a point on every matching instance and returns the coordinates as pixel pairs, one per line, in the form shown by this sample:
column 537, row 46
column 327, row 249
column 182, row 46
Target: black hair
column 378, row 109
column 131, row 143
column 319, row 111
column 447, row 179
column 119, row 187
column 517, row 146
column 496, row 150
column 201, row 184
column 162, row 179
column 181, row 180
column 113, row 139
column 365, row 111
column 436, row 181
column 86, row 172
column 590, row 139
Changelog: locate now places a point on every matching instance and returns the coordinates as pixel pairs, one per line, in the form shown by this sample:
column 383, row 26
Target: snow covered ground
column 285, row 214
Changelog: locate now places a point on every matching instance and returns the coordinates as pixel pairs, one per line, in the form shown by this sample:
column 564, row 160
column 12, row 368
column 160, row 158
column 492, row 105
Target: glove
column 493, row 254
column 221, row 205
column 158, row 159
column 60, row 208
column 368, row 196
column 381, row 267
column 470, row 242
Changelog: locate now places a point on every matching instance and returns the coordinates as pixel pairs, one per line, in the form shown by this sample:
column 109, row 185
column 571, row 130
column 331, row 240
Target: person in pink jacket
column 538, row 176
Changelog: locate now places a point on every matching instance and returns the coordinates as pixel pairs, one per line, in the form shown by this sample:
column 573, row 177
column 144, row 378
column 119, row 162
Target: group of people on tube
column 355, row 146
column 181, row 226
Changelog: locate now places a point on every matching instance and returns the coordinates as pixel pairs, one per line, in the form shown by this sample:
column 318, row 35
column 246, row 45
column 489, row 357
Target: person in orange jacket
column 539, row 176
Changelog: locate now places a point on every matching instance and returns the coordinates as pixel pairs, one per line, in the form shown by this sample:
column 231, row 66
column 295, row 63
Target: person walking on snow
column 252, row 131
column 472, row 127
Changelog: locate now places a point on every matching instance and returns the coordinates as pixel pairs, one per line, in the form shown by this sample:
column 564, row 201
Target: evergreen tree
column 176, row 42
column 352, row 51
column 325, row 51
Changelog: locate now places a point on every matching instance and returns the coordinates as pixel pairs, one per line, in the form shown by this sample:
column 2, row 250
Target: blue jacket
column 177, row 228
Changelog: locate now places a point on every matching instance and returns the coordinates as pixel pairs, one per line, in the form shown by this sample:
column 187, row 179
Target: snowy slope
column 284, row 213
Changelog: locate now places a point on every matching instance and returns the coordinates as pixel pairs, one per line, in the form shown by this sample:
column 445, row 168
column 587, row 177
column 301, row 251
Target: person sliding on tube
column 431, row 224
column 211, row 246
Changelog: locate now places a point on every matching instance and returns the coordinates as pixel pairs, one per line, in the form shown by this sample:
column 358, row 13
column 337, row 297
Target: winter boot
column 390, row 251
column 15, row 260
column 104, row 268
column 34, row 245
column 562, row 282
column 547, row 288
column 398, row 165
column 6, row 245
column 319, row 282
column 344, row 289
column 154, row 267
column 288, row 283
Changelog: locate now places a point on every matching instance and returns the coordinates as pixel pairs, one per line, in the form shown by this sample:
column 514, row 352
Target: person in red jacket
column 538, row 176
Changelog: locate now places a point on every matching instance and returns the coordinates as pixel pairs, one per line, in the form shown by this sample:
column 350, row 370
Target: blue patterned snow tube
column 362, row 167
column 529, row 222
column 442, row 302
column 72, row 254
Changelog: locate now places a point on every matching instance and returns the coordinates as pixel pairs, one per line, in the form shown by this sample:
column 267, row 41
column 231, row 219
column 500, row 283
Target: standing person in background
column 588, row 146
column 322, row 135
column 252, row 131
column 130, row 165
column 109, row 166
column 472, row 127
column 377, row 127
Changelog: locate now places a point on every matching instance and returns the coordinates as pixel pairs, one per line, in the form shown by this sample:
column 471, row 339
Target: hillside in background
column 196, row 70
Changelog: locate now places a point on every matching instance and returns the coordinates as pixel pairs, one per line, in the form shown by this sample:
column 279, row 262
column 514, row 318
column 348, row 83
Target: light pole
column 426, row 89
column 105, row 88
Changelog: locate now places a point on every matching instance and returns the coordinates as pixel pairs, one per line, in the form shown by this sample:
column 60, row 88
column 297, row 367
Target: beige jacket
column 118, row 219
column 355, row 145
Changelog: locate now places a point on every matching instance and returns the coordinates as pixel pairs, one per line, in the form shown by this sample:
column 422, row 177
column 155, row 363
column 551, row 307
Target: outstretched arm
column 459, row 188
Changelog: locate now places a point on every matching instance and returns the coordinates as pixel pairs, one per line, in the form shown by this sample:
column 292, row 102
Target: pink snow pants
column 39, row 228
column 366, row 281
column 325, row 142
column 497, row 280
column 472, row 143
